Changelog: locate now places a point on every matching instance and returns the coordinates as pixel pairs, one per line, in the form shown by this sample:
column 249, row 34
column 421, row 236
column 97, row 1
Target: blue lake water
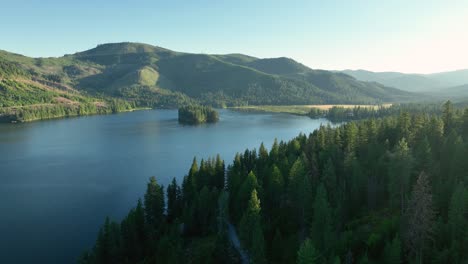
column 59, row 179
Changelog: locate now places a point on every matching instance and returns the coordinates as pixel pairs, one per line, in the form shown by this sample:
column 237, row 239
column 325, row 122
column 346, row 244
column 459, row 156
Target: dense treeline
column 342, row 114
column 146, row 96
column 197, row 114
column 25, row 99
column 389, row 190
column 49, row 111
column 14, row 93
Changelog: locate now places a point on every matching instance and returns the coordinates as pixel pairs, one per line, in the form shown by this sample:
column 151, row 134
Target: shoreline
column 5, row 119
column 302, row 110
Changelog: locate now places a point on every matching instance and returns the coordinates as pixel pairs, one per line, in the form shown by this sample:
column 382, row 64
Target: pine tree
column 448, row 117
column 263, row 152
column 202, row 177
column 351, row 132
column 189, row 184
column 307, row 253
column 296, row 184
column 300, row 191
column 250, row 225
column 219, row 173
column 399, row 174
column 274, row 191
column 108, row 244
column 274, row 152
column 262, row 162
column 419, row 217
column 321, row 229
column 423, row 153
column 134, row 233
column 404, row 123
column 154, row 204
column 174, row 203
column 193, row 175
column 244, row 194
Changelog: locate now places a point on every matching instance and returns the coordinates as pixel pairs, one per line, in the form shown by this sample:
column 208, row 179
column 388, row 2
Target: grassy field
column 299, row 109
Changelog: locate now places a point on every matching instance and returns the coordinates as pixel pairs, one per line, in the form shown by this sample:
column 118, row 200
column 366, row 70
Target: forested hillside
column 219, row 80
column 27, row 95
column 147, row 76
column 388, row 190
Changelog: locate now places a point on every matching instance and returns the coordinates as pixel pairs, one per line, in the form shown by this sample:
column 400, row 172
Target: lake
column 59, row 179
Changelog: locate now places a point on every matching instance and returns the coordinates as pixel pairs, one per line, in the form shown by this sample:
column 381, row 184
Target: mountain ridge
column 150, row 76
column 413, row 82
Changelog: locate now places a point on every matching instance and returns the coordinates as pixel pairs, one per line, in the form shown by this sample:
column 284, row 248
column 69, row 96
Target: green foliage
column 154, row 203
column 321, row 228
column 21, row 101
column 49, row 111
column 15, row 93
column 194, row 114
column 174, row 201
column 8, row 68
column 250, row 229
column 341, row 114
column 307, row 253
column 400, row 169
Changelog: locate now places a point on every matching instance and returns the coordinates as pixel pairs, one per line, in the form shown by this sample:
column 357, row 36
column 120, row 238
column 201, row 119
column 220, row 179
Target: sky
column 412, row 36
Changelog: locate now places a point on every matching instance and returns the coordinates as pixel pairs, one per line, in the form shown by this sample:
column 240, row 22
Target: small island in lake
column 197, row 114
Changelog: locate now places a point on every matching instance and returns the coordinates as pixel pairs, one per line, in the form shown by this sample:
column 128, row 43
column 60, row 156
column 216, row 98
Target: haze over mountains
column 157, row 77
column 435, row 83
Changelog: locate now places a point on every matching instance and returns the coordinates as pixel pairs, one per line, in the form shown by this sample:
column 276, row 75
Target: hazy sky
column 397, row 35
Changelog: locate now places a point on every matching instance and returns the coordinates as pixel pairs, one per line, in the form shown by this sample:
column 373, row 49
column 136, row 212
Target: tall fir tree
column 399, row 174
column 420, row 217
column 307, row 253
column 174, row 201
column 251, row 233
column 321, row 228
column 154, row 204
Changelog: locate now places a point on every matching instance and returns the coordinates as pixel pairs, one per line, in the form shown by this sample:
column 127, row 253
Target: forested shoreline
column 344, row 114
column 380, row 190
column 50, row 111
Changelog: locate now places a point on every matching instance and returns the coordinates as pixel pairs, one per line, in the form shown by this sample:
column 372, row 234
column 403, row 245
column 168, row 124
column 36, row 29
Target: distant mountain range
column 432, row 83
column 147, row 75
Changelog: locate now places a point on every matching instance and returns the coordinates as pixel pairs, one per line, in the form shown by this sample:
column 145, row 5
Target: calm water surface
column 59, row 179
